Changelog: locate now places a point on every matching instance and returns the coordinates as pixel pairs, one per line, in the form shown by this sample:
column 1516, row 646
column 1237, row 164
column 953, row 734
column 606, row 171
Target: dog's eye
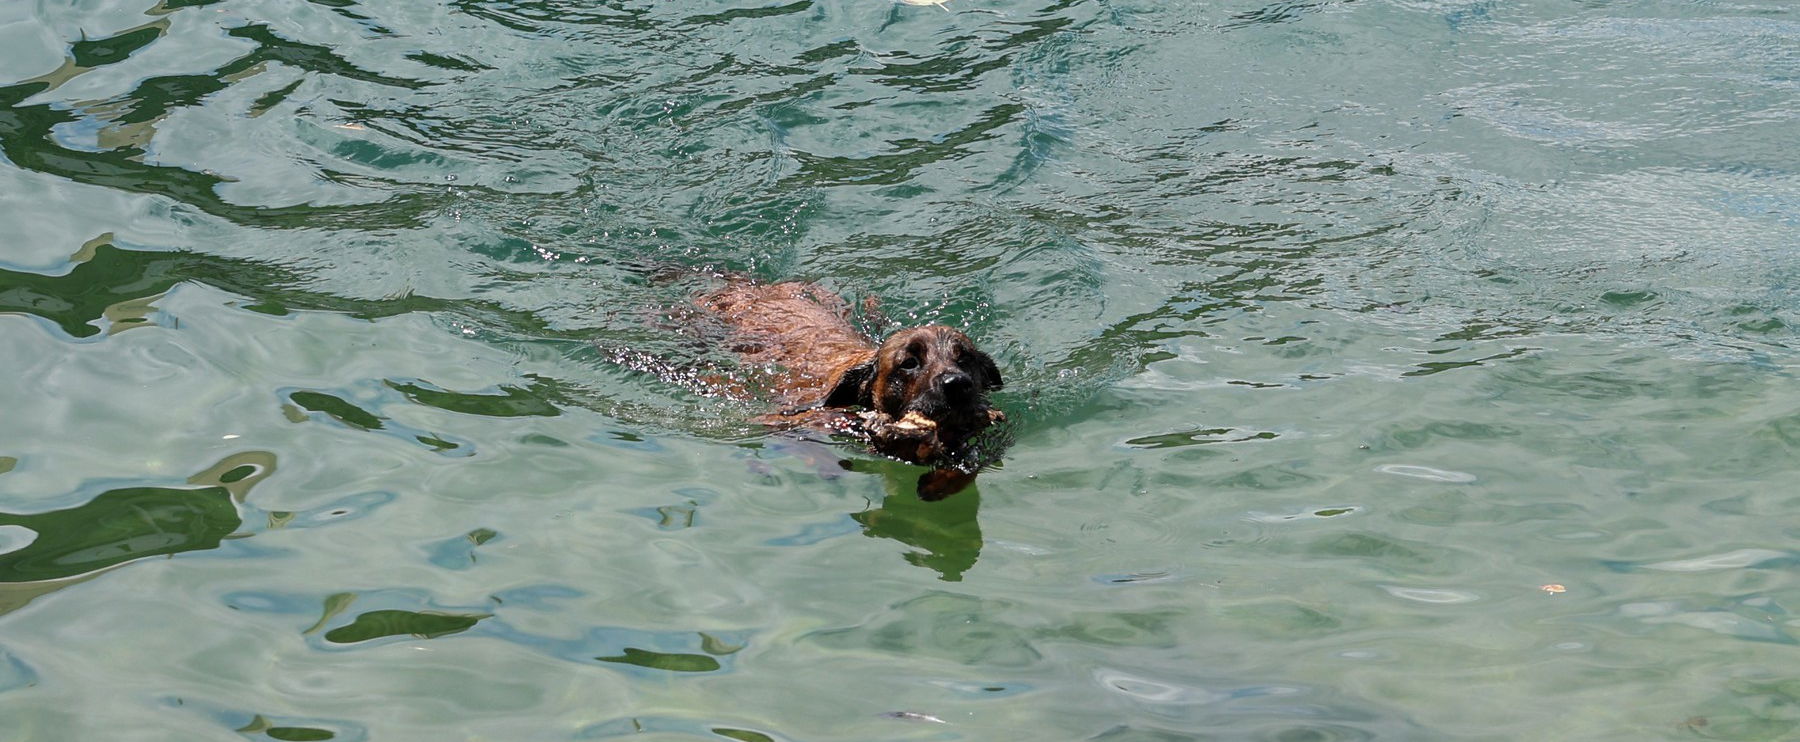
column 909, row 363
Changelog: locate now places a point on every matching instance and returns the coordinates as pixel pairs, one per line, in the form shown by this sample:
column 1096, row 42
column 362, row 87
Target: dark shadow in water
column 947, row 531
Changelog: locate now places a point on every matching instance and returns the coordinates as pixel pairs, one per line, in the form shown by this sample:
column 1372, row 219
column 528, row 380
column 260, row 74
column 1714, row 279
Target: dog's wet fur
column 825, row 365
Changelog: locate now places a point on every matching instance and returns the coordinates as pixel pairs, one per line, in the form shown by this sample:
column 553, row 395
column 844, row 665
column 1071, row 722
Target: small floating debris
column 1553, row 589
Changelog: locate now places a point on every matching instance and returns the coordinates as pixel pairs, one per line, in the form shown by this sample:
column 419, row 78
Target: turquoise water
column 1393, row 369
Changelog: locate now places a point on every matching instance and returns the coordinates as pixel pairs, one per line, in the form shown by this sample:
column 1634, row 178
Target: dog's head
column 934, row 371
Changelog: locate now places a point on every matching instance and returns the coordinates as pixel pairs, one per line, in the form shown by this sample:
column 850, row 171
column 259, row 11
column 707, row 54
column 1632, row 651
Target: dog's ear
column 989, row 371
column 853, row 388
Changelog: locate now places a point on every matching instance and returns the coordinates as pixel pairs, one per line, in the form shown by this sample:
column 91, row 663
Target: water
column 1396, row 369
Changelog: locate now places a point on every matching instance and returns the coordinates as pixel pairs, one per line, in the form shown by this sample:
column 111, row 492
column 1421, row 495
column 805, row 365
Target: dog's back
column 800, row 327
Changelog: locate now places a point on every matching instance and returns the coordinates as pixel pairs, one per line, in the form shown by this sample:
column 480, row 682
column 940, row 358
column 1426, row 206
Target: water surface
column 1391, row 369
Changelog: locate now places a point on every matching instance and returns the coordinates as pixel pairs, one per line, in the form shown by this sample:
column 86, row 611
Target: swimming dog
column 920, row 395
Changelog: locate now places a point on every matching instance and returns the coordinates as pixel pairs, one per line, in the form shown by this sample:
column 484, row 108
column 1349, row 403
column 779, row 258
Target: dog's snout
column 957, row 385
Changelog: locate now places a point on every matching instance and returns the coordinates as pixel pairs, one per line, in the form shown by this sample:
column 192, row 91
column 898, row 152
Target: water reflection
column 946, row 532
column 1046, row 174
column 295, row 730
column 129, row 124
column 460, row 552
column 314, row 405
column 118, row 526
column 672, row 727
column 415, row 624
column 44, row 552
column 106, row 275
column 14, row 674
column 398, row 615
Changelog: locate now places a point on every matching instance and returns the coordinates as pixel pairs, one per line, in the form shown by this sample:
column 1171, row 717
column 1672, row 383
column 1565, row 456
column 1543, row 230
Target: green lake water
column 1377, row 370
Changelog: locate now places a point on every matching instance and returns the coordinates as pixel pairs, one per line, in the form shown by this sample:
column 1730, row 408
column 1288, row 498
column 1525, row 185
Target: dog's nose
column 957, row 385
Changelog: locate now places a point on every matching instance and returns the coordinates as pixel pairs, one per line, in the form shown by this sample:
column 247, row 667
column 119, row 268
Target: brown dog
column 924, row 389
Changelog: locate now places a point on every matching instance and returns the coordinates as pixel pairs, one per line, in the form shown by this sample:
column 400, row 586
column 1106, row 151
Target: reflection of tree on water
column 48, row 551
column 65, row 547
column 127, row 125
column 108, row 276
column 946, row 532
column 118, row 526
